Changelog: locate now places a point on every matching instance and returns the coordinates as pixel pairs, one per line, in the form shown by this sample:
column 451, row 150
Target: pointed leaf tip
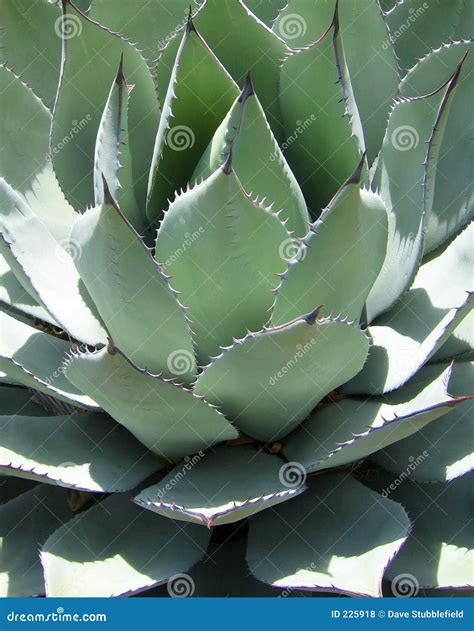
column 108, row 199
column 120, row 79
column 248, row 89
column 227, row 166
column 190, row 24
column 313, row 315
column 356, row 176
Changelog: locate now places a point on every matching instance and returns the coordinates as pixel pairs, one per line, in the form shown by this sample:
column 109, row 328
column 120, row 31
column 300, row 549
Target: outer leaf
column 405, row 177
column 440, row 551
column 10, row 488
column 132, row 294
column 13, row 294
column 165, row 417
column 460, row 343
column 24, row 159
column 417, row 27
column 305, row 359
column 369, row 55
column 339, row 260
column 224, row 253
column 453, row 203
column 351, row 429
column 47, row 267
column 18, row 401
column 25, row 522
column 136, row 551
column 199, row 95
column 447, row 443
column 32, row 46
column 90, row 57
column 141, row 24
column 113, row 159
column 320, row 117
column 81, row 451
column 33, row 359
column 194, row 491
column 310, row 543
column 257, row 159
column 265, row 10
column 408, row 335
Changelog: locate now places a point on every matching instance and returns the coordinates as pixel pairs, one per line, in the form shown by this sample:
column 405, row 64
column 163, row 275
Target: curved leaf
column 265, row 10
column 33, row 359
column 351, row 429
column 223, row 251
column 165, row 417
column 338, row 262
column 47, row 267
column 407, row 336
column 198, row 97
column 310, row 543
column 405, row 176
column 80, row 451
column 24, row 159
column 19, row 401
column 257, row 159
column 282, row 373
column 26, row 522
column 194, row 490
column 136, row 551
column 447, row 443
column 440, row 550
column 320, row 118
column 453, row 202
column 91, row 54
column 132, row 294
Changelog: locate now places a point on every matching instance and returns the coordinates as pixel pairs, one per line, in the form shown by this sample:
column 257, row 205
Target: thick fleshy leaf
column 453, row 203
column 405, row 177
column 13, row 294
column 149, row 25
column 282, row 373
column 440, row 550
column 446, row 443
column 265, row 10
column 24, row 157
column 131, row 292
column 221, row 486
column 136, row 551
column 47, row 267
column 351, row 429
column 407, row 336
column 199, row 95
column 366, row 46
column 416, row 27
column 26, row 522
column 91, row 57
column 327, row 151
column 338, row 536
column 34, row 358
column 165, row 417
column 460, row 344
column 338, row 262
column 32, row 46
column 257, row 160
column 80, row 451
column 113, row 158
column 224, row 252
column 19, row 401
column 10, row 488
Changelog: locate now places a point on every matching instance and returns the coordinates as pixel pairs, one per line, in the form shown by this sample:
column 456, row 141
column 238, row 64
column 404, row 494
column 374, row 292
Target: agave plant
column 235, row 297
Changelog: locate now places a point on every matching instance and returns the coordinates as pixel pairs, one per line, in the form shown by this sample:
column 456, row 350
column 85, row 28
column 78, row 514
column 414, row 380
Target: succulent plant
column 236, row 265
